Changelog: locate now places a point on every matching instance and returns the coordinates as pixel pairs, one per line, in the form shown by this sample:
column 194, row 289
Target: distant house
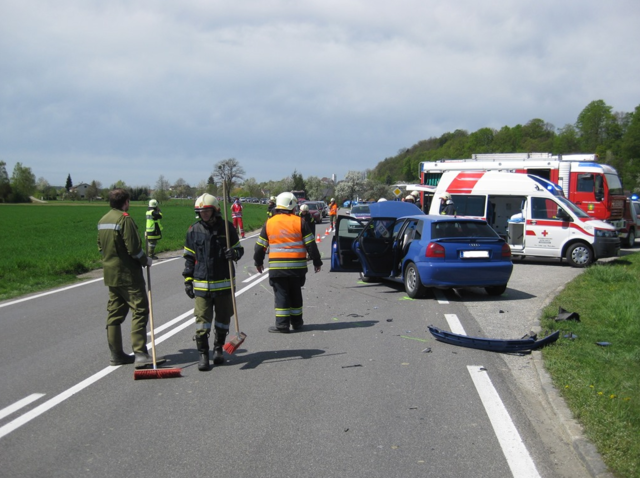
column 80, row 190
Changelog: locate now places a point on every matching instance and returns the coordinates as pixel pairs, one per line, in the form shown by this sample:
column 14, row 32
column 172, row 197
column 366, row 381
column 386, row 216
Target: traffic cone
column 318, row 238
column 326, row 232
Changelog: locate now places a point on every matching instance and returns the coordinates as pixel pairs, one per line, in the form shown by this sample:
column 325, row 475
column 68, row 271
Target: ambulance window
column 586, row 183
column 467, row 205
column 542, row 208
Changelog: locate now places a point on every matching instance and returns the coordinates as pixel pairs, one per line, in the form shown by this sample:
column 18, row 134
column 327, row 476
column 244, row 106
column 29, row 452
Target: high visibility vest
column 154, row 227
column 286, row 245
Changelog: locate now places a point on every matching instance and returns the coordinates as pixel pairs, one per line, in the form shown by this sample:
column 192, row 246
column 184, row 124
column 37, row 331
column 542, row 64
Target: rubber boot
column 202, row 344
column 221, row 336
column 114, row 337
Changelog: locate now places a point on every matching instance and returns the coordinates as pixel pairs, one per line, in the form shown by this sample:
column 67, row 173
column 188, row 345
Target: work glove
column 231, row 254
column 149, row 261
column 188, row 288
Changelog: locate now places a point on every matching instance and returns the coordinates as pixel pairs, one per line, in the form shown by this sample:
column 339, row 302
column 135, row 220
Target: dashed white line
column 516, row 453
column 5, row 412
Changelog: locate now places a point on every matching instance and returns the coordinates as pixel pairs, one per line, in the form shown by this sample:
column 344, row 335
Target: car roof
column 394, row 209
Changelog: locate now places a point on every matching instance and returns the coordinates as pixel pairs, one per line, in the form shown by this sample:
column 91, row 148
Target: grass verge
column 601, row 383
column 49, row 245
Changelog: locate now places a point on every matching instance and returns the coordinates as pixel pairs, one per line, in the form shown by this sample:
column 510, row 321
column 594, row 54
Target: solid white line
column 13, row 302
column 254, row 276
column 440, row 297
column 39, row 410
column 5, row 412
column 454, row 324
column 516, row 453
column 27, row 417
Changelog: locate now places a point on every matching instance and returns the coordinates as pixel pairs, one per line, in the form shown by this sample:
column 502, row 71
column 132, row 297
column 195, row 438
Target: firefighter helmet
column 304, row 207
column 272, row 199
column 410, row 198
column 206, row 201
column 382, row 199
column 446, row 196
column 153, row 203
column 415, row 194
column 286, row 201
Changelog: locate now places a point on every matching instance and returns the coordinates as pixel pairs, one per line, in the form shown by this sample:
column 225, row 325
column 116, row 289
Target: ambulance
column 530, row 213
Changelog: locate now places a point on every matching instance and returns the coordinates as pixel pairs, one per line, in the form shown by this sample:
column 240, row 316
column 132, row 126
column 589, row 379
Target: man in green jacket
column 123, row 258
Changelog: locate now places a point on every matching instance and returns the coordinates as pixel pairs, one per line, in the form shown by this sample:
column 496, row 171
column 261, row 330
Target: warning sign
column 397, row 192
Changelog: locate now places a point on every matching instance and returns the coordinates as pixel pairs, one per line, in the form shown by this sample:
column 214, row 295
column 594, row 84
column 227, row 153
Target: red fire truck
column 595, row 188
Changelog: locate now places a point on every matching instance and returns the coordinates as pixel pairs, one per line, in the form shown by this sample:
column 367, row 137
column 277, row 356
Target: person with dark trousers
column 207, row 277
column 289, row 240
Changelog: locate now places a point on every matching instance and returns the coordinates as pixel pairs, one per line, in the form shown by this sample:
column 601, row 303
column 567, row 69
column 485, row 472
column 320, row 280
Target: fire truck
column 595, row 188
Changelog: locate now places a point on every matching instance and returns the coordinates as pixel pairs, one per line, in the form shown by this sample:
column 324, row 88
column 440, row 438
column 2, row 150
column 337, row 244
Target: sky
column 131, row 90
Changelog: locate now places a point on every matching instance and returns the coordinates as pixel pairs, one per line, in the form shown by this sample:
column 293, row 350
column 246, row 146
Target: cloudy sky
column 131, row 90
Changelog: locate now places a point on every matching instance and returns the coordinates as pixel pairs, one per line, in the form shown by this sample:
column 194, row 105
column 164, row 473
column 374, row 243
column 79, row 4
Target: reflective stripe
column 262, row 242
column 288, row 250
column 280, row 264
column 188, row 252
column 139, row 254
column 283, row 312
column 203, row 326
column 212, row 286
column 113, row 227
column 296, row 311
column 220, row 325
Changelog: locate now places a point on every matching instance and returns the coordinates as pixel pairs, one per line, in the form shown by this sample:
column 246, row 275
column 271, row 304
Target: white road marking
column 5, row 412
column 37, row 296
column 440, row 296
column 49, row 404
column 454, row 324
column 516, row 453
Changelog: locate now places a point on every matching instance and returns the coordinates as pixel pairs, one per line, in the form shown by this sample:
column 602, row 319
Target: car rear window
column 360, row 210
column 440, row 230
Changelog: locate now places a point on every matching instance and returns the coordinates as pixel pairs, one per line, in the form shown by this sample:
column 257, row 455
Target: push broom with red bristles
column 155, row 372
column 232, row 345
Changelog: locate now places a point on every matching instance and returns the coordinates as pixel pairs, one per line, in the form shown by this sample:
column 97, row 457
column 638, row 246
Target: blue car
column 401, row 243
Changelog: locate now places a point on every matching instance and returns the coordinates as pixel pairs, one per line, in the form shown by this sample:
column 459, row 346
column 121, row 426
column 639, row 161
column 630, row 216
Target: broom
column 235, row 342
column 155, row 372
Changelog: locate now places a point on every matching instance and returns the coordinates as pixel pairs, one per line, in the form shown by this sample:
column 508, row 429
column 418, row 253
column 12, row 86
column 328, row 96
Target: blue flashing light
column 634, row 197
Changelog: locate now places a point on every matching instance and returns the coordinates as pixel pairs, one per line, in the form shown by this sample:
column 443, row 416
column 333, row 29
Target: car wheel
column 495, row 290
column 412, row 283
column 579, row 255
column 631, row 238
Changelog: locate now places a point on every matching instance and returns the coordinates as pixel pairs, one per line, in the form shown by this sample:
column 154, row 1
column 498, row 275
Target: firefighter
column 207, row 276
column 289, row 240
column 236, row 215
column 272, row 206
column 154, row 228
column 333, row 213
column 447, row 206
column 123, row 259
column 308, row 218
column 416, row 198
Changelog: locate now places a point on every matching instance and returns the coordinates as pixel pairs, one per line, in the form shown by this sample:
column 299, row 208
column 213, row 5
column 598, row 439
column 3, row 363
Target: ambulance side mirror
column 562, row 214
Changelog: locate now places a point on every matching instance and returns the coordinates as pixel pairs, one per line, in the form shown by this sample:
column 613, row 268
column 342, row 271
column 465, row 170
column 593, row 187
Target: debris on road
column 566, row 315
column 493, row 345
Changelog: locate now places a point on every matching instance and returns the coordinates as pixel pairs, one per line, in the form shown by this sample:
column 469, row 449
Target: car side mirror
column 562, row 214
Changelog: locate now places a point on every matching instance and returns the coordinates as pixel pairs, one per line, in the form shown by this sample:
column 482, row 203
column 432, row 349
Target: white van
column 531, row 213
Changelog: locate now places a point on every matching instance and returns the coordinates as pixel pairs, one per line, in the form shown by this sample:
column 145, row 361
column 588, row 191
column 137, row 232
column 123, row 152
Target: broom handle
column 226, row 230
column 153, row 338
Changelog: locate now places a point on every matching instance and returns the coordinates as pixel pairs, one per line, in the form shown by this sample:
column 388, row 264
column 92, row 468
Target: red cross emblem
column 545, row 233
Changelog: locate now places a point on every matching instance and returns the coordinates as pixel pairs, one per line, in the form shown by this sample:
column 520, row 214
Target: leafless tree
column 228, row 171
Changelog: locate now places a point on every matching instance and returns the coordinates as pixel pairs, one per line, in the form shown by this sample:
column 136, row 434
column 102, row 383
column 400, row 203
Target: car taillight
column 506, row 250
column 434, row 250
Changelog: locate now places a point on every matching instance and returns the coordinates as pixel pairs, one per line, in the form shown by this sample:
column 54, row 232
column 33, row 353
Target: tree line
column 613, row 136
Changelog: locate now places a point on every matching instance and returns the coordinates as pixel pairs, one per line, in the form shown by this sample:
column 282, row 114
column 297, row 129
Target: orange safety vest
column 287, row 248
column 333, row 209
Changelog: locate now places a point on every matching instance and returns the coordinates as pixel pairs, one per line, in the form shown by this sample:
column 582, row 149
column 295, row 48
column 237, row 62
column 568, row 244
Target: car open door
column 343, row 257
column 374, row 247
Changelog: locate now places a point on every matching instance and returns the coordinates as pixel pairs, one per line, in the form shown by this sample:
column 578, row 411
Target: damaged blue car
column 401, row 243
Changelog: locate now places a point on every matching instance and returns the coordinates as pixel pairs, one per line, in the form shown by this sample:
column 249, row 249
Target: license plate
column 474, row 254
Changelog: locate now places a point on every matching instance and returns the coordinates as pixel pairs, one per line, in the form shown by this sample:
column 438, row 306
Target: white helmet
column 206, row 201
column 332, row 200
column 409, row 198
column 304, row 207
column 415, row 194
column 286, row 201
column 272, row 198
column 446, row 196
column 153, row 203
column 382, row 200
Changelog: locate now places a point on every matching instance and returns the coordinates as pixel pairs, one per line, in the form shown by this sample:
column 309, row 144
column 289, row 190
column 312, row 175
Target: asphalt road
column 362, row 391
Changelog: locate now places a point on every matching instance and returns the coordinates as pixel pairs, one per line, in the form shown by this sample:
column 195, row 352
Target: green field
column 47, row 245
